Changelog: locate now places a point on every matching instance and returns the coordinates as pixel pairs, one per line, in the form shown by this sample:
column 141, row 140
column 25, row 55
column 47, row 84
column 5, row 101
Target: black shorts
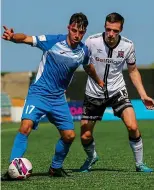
column 93, row 108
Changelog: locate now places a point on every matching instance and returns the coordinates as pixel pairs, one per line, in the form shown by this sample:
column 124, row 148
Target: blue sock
column 61, row 151
column 19, row 146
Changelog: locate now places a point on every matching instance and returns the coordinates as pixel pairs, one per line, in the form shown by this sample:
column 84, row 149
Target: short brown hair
column 80, row 19
column 115, row 17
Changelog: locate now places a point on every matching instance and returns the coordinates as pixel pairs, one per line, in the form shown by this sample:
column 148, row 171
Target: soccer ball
column 20, row 168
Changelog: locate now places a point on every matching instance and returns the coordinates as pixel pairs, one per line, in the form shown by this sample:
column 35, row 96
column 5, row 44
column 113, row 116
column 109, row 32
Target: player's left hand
column 148, row 102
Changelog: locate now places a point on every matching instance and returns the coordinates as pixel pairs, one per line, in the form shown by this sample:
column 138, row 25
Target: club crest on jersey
column 120, row 54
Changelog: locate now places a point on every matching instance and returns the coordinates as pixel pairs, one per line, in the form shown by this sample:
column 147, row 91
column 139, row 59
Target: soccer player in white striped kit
column 109, row 52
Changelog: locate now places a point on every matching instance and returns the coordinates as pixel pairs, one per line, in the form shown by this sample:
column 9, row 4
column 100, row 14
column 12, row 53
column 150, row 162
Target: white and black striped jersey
column 108, row 63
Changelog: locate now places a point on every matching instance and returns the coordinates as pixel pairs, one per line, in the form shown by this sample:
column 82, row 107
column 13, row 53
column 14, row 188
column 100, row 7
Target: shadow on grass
column 102, row 169
column 69, row 171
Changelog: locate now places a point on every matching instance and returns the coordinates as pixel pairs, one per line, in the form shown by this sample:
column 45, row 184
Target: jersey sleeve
column 131, row 59
column 45, row 42
column 86, row 56
column 87, row 52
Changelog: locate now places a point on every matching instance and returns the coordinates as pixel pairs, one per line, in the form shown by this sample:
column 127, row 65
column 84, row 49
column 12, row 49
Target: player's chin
column 111, row 41
column 75, row 41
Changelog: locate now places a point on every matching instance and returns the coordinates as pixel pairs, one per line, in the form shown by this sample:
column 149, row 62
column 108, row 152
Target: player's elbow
column 132, row 70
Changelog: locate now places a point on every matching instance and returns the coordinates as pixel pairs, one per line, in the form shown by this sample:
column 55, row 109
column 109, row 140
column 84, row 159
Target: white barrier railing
column 16, row 113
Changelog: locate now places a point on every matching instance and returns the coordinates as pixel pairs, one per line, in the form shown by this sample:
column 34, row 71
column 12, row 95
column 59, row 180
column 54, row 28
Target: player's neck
column 71, row 45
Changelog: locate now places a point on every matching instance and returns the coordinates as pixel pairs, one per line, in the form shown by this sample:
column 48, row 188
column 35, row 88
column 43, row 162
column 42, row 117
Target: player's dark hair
column 80, row 19
column 115, row 17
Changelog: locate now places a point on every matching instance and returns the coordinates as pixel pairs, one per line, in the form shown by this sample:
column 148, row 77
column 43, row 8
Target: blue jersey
column 57, row 66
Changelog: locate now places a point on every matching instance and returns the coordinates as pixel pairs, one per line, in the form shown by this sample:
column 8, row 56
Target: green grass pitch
column 115, row 169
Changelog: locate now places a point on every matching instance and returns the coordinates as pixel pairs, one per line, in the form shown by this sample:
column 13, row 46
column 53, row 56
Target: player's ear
column 68, row 27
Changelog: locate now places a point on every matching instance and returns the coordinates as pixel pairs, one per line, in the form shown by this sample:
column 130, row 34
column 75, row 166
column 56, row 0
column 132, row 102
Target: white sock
column 137, row 148
column 90, row 150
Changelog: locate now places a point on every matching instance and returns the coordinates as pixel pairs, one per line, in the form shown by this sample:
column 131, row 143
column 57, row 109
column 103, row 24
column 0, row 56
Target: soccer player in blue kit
column 62, row 54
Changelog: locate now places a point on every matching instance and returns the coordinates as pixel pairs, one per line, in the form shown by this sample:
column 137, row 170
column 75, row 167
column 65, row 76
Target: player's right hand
column 101, row 83
column 8, row 33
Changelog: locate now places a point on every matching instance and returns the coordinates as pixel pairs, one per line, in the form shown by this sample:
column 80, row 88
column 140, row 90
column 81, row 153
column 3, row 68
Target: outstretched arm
column 137, row 81
column 90, row 70
column 9, row 35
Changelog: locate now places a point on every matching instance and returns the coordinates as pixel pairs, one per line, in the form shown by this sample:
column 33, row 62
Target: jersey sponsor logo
column 42, row 38
column 107, row 60
column 120, row 54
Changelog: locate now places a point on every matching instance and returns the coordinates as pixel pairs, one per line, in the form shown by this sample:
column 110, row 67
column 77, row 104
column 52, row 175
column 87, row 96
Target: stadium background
column 15, row 86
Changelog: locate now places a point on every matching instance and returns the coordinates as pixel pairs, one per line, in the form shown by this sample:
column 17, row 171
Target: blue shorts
column 56, row 110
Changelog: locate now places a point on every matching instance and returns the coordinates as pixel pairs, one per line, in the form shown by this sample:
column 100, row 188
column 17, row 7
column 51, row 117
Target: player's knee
column 69, row 136
column 26, row 127
column 87, row 136
column 132, row 127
